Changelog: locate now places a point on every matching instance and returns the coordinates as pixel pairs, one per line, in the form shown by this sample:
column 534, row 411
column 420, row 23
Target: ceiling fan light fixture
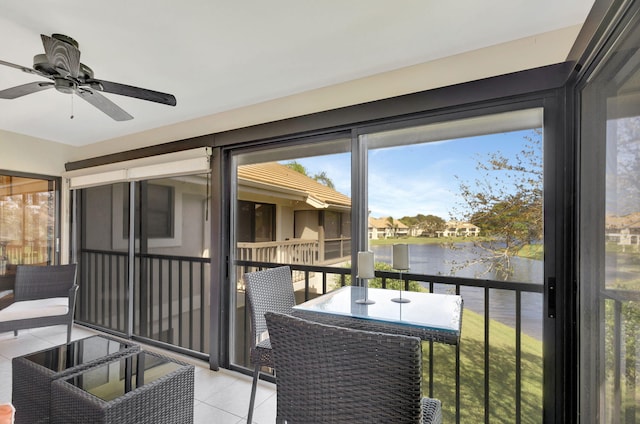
column 65, row 86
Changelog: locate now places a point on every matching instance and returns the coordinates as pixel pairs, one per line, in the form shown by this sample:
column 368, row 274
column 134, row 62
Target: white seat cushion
column 35, row 309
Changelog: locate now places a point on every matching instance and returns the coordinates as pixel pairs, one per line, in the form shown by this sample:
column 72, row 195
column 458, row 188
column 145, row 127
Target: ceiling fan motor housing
column 65, row 86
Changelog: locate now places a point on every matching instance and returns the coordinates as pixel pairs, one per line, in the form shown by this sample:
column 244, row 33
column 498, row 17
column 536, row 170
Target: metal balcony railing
column 621, row 347
column 171, row 296
column 467, row 370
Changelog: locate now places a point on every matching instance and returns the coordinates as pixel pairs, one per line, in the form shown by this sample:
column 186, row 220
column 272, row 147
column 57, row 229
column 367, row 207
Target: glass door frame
column 57, row 190
column 559, row 306
column 559, row 300
column 590, row 122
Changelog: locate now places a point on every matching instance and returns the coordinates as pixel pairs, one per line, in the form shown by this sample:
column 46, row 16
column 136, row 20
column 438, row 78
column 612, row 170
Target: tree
column 430, row 224
column 393, row 225
column 505, row 202
column 320, row 177
column 298, row 167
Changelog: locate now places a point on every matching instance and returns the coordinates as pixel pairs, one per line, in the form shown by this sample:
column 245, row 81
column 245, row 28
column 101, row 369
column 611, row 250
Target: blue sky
column 419, row 178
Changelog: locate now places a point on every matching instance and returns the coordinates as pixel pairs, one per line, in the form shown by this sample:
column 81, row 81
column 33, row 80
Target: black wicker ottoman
column 136, row 389
column 32, row 374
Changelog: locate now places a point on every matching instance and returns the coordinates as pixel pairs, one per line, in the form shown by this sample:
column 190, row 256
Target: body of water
column 434, row 259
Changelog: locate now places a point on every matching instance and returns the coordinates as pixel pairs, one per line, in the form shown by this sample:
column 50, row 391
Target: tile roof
column 384, row 223
column 278, row 175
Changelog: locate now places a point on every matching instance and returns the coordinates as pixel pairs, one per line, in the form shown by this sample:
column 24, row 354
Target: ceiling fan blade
column 63, row 55
column 104, row 104
column 22, row 68
column 23, row 90
column 129, row 91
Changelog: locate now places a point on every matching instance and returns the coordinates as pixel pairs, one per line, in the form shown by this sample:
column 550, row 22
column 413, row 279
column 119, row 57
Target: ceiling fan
column 61, row 64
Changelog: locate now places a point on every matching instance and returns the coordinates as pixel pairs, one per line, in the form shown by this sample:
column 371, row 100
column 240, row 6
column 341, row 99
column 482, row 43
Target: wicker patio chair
column 267, row 290
column 40, row 294
column 329, row 374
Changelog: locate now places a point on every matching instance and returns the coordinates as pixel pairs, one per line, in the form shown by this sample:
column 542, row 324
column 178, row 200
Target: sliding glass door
column 467, row 197
column 144, row 259
column 291, row 205
column 610, row 235
column 474, row 196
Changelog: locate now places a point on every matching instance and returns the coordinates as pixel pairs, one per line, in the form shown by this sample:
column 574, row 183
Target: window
column 160, row 206
column 256, row 221
column 27, row 221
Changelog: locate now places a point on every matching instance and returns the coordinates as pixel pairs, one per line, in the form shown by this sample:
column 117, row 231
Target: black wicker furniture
column 142, row 388
column 32, row 374
column 267, row 290
column 329, row 374
column 43, row 296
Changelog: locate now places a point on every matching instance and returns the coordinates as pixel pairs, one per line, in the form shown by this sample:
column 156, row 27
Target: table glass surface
column 442, row 312
column 112, row 380
column 78, row 352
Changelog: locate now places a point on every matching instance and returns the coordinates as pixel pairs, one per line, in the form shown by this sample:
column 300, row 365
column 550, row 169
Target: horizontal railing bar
column 151, row 256
column 621, row 295
column 438, row 279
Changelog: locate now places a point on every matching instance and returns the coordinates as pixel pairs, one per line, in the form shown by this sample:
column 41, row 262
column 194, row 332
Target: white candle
column 365, row 265
column 401, row 256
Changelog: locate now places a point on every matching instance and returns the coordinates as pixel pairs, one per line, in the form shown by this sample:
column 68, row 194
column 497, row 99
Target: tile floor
column 221, row 397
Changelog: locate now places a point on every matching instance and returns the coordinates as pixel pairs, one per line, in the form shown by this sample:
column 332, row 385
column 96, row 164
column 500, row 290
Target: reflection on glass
column 132, row 372
column 292, row 206
column 76, row 353
column 27, row 221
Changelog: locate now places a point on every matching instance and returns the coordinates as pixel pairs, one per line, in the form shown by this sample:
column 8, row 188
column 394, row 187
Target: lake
column 434, row 259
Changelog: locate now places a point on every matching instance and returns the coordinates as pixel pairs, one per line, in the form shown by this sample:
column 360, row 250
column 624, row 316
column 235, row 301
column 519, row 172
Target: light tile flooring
column 221, row 397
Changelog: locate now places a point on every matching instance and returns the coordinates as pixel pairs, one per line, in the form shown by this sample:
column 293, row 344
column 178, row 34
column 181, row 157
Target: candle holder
column 365, row 272
column 365, row 300
column 401, row 299
column 401, row 263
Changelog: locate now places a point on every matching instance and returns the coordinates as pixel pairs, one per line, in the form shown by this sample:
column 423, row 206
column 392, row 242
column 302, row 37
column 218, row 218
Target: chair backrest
column 40, row 282
column 332, row 374
column 268, row 290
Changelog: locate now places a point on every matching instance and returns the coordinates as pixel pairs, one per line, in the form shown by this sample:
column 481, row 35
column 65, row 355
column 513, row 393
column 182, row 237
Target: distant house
column 623, row 229
column 381, row 228
column 459, row 229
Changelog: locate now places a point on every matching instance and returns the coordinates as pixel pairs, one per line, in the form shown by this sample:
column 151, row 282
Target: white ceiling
column 220, row 55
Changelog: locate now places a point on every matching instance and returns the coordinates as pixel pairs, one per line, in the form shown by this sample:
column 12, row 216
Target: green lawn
column 502, row 374
column 502, row 364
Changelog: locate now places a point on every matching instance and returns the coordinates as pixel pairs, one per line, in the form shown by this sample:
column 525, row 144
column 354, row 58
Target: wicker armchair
column 267, row 290
column 43, row 296
column 328, row 374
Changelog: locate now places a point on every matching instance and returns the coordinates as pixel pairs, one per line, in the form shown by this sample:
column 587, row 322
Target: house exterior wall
column 306, row 225
column 284, row 222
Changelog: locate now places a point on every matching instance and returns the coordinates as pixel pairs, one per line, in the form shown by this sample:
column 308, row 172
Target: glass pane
column 469, row 206
column 27, row 222
column 103, row 258
column 610, row 277
column 171, row 297
column 172, row 266
column 466, row 197
column 292, row 206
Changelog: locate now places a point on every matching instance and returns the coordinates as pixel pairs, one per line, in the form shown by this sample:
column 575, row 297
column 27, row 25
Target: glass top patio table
column 131, row 372
column 82, row 352
column 429, row 316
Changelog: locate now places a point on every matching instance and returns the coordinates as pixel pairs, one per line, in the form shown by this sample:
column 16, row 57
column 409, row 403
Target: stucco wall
column 31, row 155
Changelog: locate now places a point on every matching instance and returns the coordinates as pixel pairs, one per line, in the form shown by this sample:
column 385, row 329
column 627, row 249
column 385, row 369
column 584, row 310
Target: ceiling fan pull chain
column 71, row 107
